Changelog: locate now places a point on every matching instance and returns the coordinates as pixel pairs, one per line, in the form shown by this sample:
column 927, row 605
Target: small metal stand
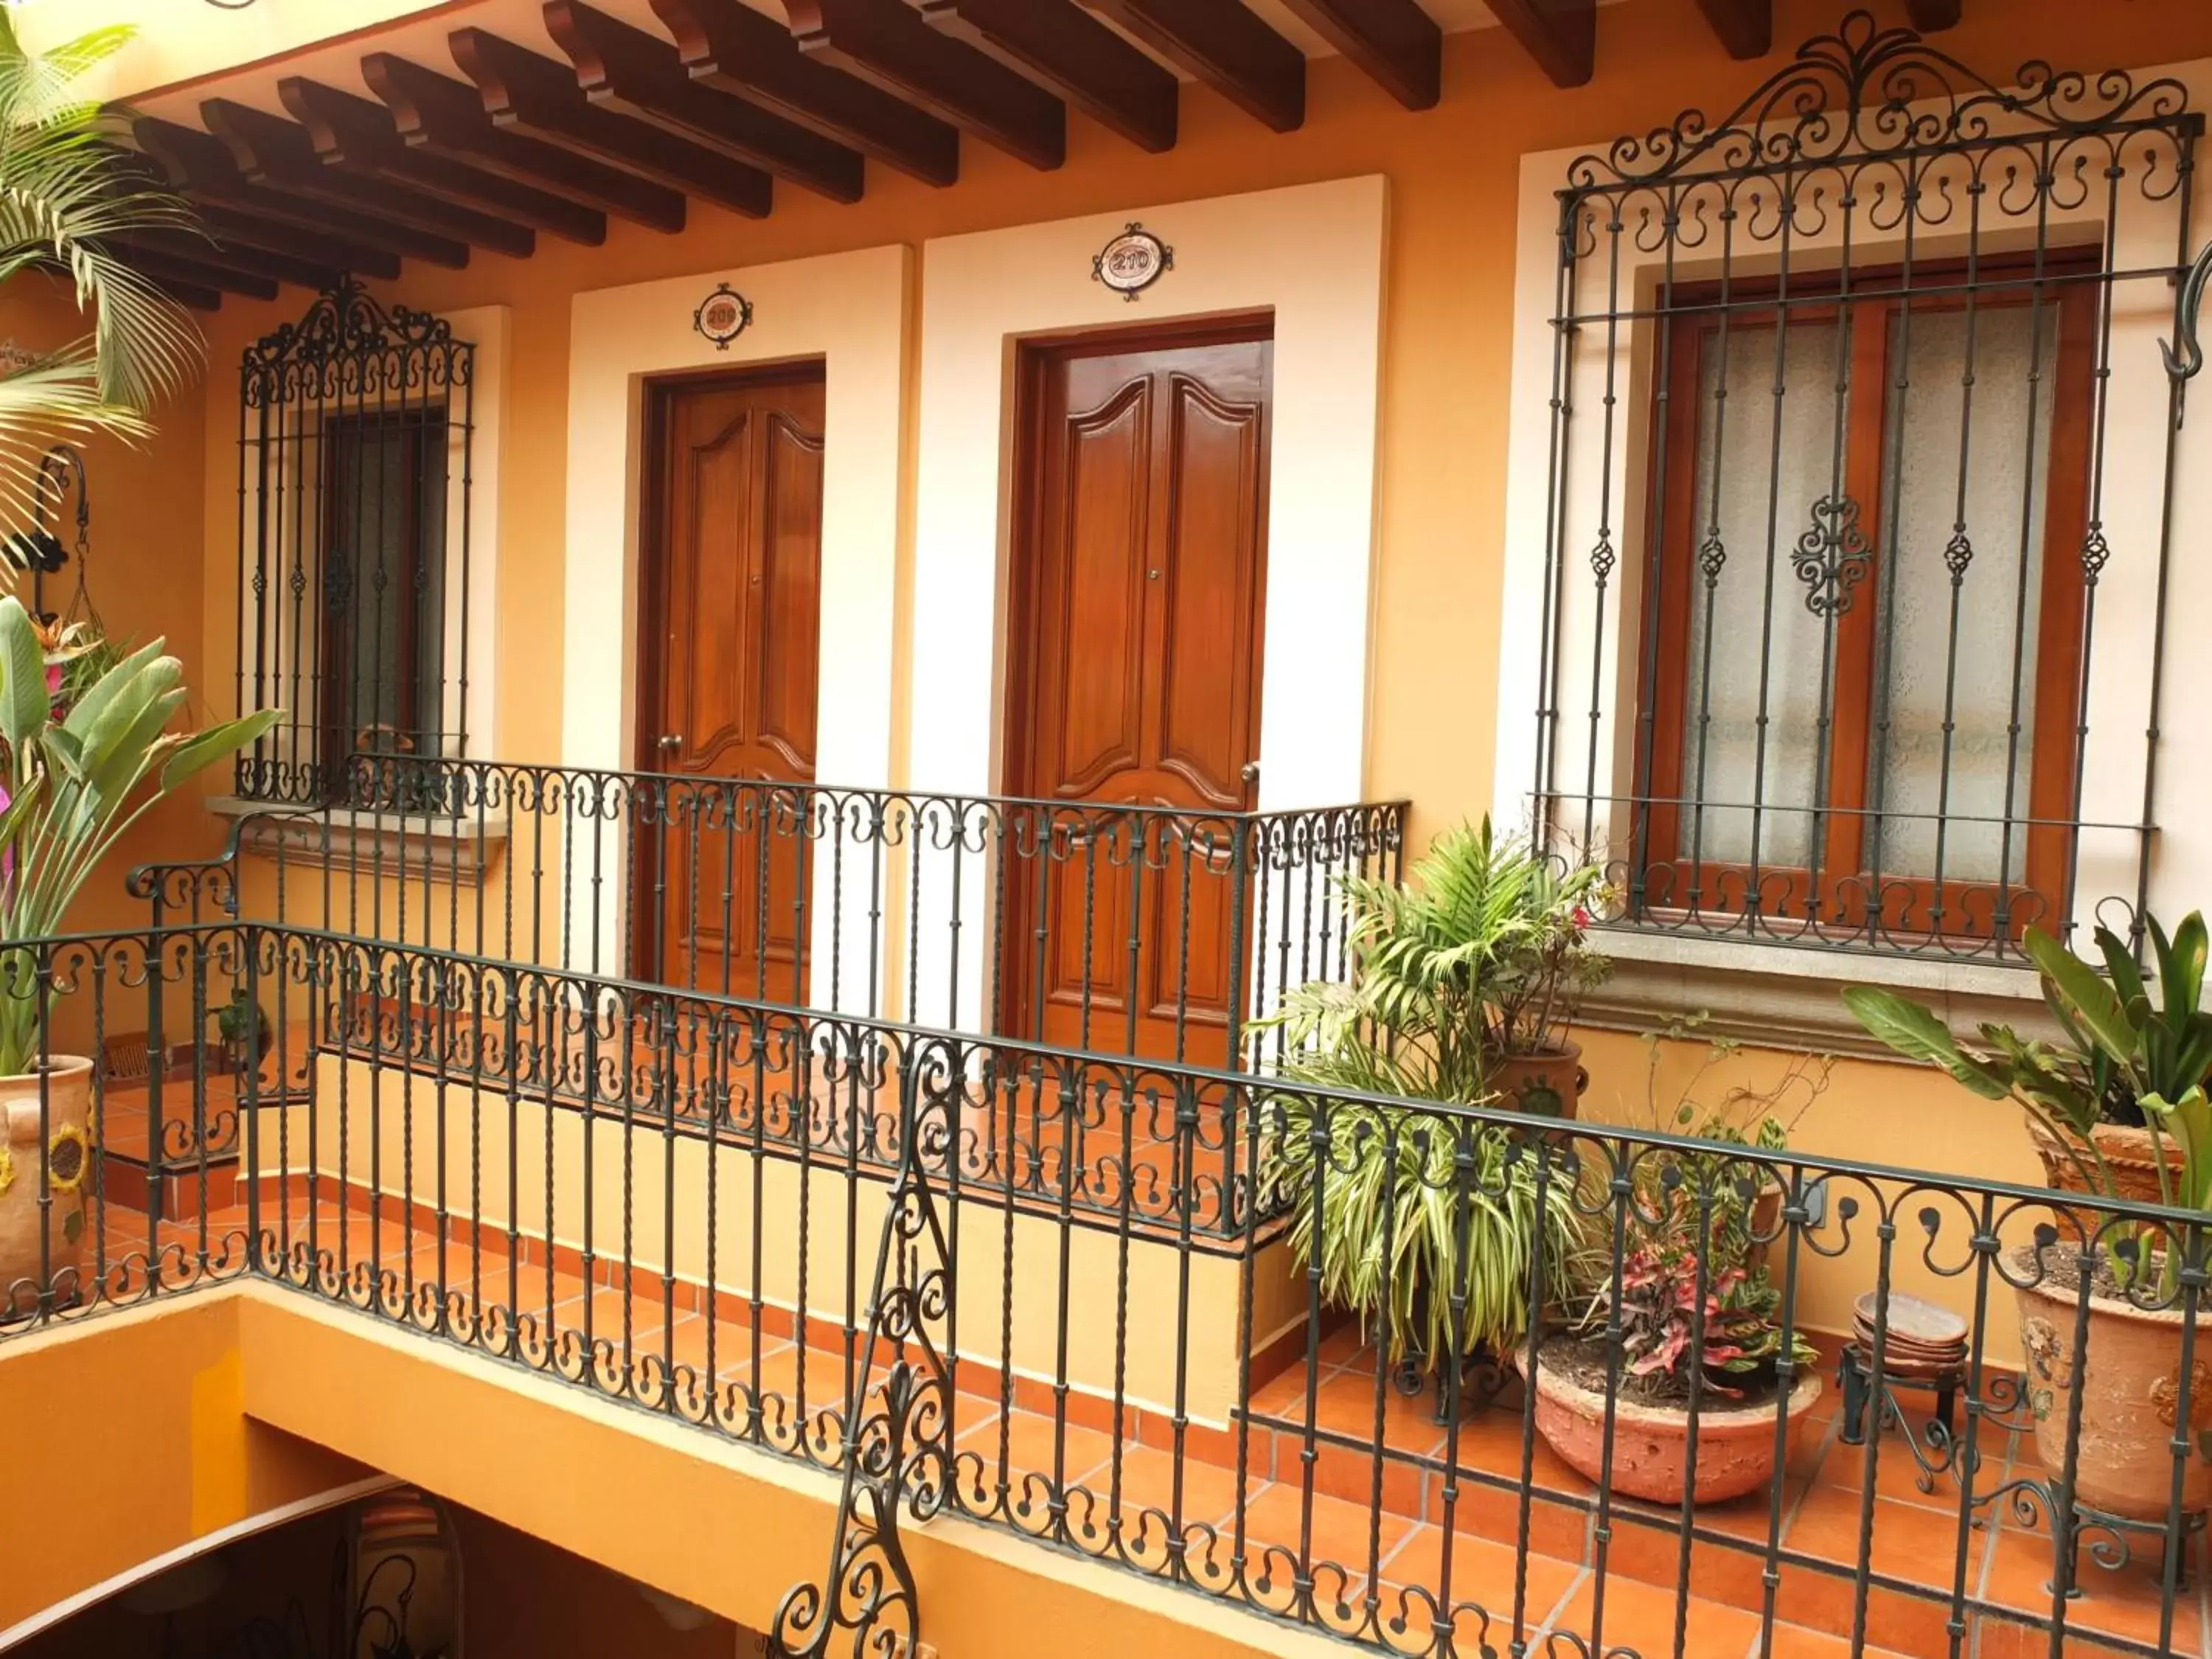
column 1933, row 1440
column 1482, row 1377
column 2108, row 1537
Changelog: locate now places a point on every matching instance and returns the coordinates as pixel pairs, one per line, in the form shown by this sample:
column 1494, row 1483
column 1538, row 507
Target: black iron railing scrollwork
column 898, row 1421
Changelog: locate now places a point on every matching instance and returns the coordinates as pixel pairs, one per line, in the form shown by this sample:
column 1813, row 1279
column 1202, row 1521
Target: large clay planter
column 2130, row 1387
column 2129, row 1153
column 65, row 1156
column 1651, row 1443
column 1544, row 1085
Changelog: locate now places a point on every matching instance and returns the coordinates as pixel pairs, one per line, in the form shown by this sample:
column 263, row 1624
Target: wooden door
column 731, row 614
column 1137, row 621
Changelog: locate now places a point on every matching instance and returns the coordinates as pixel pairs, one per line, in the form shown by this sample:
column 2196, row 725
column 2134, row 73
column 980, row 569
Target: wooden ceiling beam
column 195, row 296
column 1397, row 44
column 358, row 136
column 180, row 276
column 289, row 156
column 730, row 47
column 885, row 41
column 1561, row 35
column 1931, row 16
column 540, row 97
column 203, row 166
column 232, row 228
column 184, row 245
column 639, row 74
column 1745, row 26
column 1225, row 45
column 1062, row 46
column 445, row 119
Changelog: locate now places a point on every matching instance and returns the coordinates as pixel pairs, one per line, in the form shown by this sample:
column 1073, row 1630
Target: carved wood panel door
column 1137, row 609
column 731, row 613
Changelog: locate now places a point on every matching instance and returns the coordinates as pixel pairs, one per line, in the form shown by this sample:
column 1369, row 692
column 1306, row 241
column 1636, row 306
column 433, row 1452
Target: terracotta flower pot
column 2130, row 1387
column 2129, row 1153
column 1548, row 1085
column 40, row 1248
column 1651, row 1443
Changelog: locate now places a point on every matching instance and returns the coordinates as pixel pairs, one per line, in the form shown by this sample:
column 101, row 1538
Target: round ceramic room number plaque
column 723, row 315
column 1132, row 262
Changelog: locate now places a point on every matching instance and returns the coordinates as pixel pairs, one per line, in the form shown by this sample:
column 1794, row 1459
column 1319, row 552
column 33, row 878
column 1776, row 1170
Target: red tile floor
column 1381, row 1520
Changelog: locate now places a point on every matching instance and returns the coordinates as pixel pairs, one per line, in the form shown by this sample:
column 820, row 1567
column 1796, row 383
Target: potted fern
column 1426, row 1225
column 74, row 789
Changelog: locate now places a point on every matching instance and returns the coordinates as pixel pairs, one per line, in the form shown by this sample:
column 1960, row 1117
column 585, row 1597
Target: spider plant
column 65, row 187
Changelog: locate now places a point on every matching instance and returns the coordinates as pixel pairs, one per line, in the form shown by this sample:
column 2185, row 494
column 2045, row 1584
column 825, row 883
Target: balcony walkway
column 1323, row 1513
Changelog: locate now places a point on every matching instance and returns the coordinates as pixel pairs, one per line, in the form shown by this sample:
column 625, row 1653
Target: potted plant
column 1482, row 957
column 1473, row 956
column 73, row 788
column 1698, row 1331
column 2129, row 1354
column 243, row 1026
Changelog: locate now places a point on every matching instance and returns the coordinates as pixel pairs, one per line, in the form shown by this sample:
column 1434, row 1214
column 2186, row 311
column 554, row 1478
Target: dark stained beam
column 197, row 296
column 1058, row 44
column 1225, row 45
column 184, row 246
column 203, row 168
column 732, row 48
column 1395, row 41
column 285, row 155
column 540, row 97
column 231, row 229
column 1561, row 35
column 353, row 134
column 1930, row 15
column 1745, row 26
column 885, row 42
column 446, row 118
column 633, row 73
column 180, row 276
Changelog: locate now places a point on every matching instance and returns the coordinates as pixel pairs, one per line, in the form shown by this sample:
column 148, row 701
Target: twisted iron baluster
column 900, row 1449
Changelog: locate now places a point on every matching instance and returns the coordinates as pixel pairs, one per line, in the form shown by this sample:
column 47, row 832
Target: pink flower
column 1581, row 916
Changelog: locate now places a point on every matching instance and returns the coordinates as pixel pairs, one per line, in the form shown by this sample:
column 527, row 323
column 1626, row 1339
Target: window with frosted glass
column 1868, row 578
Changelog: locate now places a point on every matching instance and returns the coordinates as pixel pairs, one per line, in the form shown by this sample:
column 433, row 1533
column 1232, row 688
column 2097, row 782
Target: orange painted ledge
column 187, row 1416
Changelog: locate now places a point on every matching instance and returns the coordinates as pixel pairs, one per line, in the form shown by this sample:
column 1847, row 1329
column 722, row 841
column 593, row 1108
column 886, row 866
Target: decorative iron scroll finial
column 2184, row 353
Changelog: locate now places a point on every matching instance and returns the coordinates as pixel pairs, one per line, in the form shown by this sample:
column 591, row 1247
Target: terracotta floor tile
column 1640, row 1617
column 2125, row 1602
column 1483, row 1578
column 1342, row 1534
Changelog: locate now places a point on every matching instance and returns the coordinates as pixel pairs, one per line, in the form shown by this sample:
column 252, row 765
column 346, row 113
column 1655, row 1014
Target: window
column 383, row 632
column 1869, row 590
column 1847, row 553
column 355, row 426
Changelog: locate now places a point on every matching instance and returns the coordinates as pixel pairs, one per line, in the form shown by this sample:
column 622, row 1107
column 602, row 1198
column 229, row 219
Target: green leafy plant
column 74, row 788
column 1666, row 1343
column 66, row 187
column 243, row 1025
column 2122, row 1048
column 1482, row 954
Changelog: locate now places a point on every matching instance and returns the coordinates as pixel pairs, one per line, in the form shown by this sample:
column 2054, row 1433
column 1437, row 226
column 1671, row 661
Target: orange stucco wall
column 131, row 1440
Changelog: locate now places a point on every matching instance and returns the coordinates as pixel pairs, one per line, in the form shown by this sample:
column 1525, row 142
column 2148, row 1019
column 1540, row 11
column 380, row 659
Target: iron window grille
column 355, row 430
column 1861, row 460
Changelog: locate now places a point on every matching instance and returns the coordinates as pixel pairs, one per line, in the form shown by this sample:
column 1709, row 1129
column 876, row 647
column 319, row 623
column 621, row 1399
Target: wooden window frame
column 1911, row 903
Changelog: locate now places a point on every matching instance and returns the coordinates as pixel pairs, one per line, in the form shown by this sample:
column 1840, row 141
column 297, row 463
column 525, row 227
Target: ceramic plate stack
column 1922, row 1342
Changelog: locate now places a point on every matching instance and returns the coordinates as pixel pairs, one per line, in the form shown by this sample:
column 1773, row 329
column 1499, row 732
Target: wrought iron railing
column 1087, row 925
column 1094, row 1366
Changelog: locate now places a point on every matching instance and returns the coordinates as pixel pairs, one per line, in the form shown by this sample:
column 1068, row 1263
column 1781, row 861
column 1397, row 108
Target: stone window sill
column 433, row 846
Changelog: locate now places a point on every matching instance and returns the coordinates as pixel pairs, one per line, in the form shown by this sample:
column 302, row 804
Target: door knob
column 1251, row 772
column 671, row 740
